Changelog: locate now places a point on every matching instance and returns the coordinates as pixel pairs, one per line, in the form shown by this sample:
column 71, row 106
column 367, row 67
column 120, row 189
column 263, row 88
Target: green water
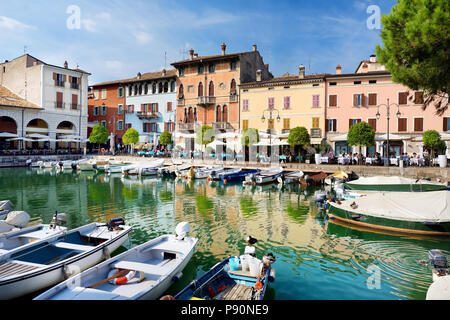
column 316, row 259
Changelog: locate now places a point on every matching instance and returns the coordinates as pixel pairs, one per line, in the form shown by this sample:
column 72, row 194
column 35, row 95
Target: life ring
column 103, row 150
column 224, row 181
column 120, row 280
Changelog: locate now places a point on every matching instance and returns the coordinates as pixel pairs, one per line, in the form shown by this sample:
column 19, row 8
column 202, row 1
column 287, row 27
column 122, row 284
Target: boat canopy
column 431, row 207
column 394, row 180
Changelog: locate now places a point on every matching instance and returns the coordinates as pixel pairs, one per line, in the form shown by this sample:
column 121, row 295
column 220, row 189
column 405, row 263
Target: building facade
column 58, row 95
column 208, row 93
column 360, row 96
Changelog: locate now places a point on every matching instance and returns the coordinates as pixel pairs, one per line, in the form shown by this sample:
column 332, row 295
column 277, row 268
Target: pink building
column 359, row 96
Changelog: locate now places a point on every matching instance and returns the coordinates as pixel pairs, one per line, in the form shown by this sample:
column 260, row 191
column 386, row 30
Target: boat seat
column 138, row 266
column 72, row 246
column 81, row 293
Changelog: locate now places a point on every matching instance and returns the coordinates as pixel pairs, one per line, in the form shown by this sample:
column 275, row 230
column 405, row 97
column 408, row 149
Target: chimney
column 224, row 47
column 139, row 75
column 373, row 58
column 258, row 75
column 66, row 65
column 164, row 72
column 365, row 68
column 254, row 47
column 267, row 66
column 338, row 69
column 195, row 55
column 191, row 53
column 301, row 71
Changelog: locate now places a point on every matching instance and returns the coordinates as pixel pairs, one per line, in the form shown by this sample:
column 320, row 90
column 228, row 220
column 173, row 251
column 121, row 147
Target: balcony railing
column 206, row 100
column 222, row 125
column 74, row 106
column 59, row 105
column 188, row 126
column 180, row 102
column 75, row 86
column 233, row 98
column 316, row 133
column 148, row 115
column 59, row 83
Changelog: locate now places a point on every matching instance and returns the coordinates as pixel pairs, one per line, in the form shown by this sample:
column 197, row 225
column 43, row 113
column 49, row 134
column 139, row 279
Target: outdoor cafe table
column 370, row 160
column 342, row 160
column 416, row 161
column 323, row 159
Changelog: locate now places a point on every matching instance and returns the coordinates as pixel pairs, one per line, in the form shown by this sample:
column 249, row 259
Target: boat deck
column 239, row 292
column 10, row 268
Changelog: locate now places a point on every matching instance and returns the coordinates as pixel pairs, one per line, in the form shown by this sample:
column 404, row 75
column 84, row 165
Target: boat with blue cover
column 229, row 280
column 237, row 176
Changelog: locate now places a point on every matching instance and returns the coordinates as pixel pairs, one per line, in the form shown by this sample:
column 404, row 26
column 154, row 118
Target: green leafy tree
column 416, row 48
column 205, row 135
column 131, row 137
column 299, row 136
column 165, row 138
column 250, row 137
column 432, row 140
column 361, row 134
column 99, row 135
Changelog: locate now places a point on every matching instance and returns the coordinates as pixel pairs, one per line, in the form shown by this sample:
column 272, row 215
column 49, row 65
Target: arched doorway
column 8, row 130
column 36, row 129
column 63, row 131
column 218, row 114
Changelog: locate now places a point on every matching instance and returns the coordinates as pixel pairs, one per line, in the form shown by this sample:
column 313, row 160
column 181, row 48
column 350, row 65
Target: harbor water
column 316, row 259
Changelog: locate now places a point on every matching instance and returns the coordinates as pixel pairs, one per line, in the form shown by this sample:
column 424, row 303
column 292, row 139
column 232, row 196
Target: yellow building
column 294, row 101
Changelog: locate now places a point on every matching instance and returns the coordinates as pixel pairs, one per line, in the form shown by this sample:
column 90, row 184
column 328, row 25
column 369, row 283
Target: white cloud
column 97, row 22
column 142, row 37
column 13, row 24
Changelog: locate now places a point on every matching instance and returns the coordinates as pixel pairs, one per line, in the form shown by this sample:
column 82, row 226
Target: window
column 119, row 109
column 233, row 87
column 172, row 86
column 169, row 106
column 245, row 105
column 200, row 89
column 211, row 89
column 103, row 123
column 418, row 124
column 201, row 69
column 358, row 100
column 154, row 87
column 331, row 125
column 373, row 99
column 332, row 100
column 233, row 65
column 212, row 68
column 271, row 103
column 59, row 79
column 446, row 124
column 95, row 111
column 74, row 102
column 59, row 100
column 286, row 124
column 356, row 82
column 150, row 127
column 103, row 94
column 104, row 110
column 154, row 107
column 418, row 97
column 315, row 123
column 244, row 124
column 166, row 86
column 403, row 98
column 316, row 101
column 372, row 81
column 287, row 103
column 352, row 122
column 95, row 94
column 120, row 92
column 128, row 126
column 333, row 83
column 402, row 125
column 120, row 125
column 373, row 124
column 146, row 88
column 190, row 89
column 130, row 108
column 181, row 70
column 74, row 83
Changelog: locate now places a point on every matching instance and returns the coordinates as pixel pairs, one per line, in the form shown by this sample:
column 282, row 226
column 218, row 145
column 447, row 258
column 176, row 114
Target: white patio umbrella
column 37, row 135
column 8, row 135
column 47, row 139
column 226, row 135
column 20, row 139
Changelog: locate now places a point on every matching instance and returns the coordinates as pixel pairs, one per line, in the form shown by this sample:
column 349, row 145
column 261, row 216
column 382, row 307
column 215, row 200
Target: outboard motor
column 59, row 219
column 60, row 164
column 74, row 166
column 114, row 223
column 439, row 262
column 182, row 230
column 267, row 260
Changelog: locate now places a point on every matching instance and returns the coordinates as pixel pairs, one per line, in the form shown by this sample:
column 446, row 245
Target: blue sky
column 117, row 39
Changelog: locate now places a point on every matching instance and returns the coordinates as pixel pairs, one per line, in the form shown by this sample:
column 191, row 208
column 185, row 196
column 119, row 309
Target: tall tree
column 432, row 140
column 165, row 138
column 361, row 134
column 299, row 136
column 205, row 135
column 131, row 137
column 416, row 48
column 99, row 135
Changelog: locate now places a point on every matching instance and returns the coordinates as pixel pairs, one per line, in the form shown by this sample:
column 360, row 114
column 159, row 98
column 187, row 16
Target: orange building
column 106, row 105
column 208, row 93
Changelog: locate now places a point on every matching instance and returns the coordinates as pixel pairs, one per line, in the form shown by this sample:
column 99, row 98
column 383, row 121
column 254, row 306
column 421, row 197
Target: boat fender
column 177, row 277
column 211, row 291
column 224, row 181
column 272, row 275
column 222, row 288
column 168, row 297
column 120, row 280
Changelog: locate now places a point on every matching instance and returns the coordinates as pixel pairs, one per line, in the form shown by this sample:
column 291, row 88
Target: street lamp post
column 270, row 111
column 378, row 115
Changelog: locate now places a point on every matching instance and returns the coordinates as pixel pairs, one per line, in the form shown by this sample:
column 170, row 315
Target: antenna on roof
column 183, row 53
column 309, row 65
column 24, row 49
column 165, row 60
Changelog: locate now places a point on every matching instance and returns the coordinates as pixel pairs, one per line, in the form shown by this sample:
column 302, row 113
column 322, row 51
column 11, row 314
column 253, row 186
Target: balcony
column 59, row 83
column 222, row 125
column 205, row 100
column 148, row 115
column 75, row 86
column 286, row 131
column 180, row 102
column 233, row 98
column 316, row 133
column 74, row 106
column 59, row 105
column 192, row 126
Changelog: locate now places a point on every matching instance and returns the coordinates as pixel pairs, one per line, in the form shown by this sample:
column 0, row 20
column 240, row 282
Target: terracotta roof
column 213, row 57
column 145, row 76
column 286, row 78
column 367, row 74
column 10, row 99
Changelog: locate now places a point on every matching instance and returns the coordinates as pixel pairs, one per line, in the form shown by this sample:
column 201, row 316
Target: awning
column 392, row 137
column 339, row 138
column 444, row 137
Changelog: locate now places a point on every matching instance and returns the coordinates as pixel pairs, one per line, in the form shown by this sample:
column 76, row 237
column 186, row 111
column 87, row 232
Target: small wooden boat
column 67, row 165
column 223, row 282
column 146, row 168
column 170, row 171
column 264, row 176
column 339, row 176
column 203, row 173
column 46, row 262
column 237, row 176
column 86, row 165
column 143, row 272
column 312, row 179
column 440, row 288
column 398, row 212
column 215, row 175
column 292, row 177
column 401, row 184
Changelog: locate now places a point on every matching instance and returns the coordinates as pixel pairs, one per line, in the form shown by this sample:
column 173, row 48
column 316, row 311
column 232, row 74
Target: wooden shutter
column 418, row 97
column 402, row 124
column 271, row 103
column 363, row 100
column 74, row 101
column 169, row 106
column 373, row 124
column 350, row 123
column 244, row 124
column 334, row 125
column 403, row 98
column 327, row 126
column 156, row 107
column 54, row 76
column 418, row 124
column 372, row 99
column 333, row 100
column 286, row 124
column 355, row 100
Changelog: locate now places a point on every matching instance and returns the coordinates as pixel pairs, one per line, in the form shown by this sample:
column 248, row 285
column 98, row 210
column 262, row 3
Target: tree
column 99, row 135
column 299, row 136
column 417, row 48
column 205, row 135
column 432, row 140
column 250, row 137
column 131, row 137
column 361, row 134
column 165, row 138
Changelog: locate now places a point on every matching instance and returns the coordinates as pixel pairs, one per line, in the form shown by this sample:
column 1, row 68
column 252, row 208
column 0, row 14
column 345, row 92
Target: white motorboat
column 48, row 164
column 67, row 165
column 264, row 176
column 46, row 262
column 86, row 165
column 217, row 175
column 204, row 172
column 143, row 168
column 440, row 288
column 141, row 273
column 292, row 177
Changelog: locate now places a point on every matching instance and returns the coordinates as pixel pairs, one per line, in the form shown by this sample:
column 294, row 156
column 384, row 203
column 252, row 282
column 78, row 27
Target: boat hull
column 237, row 177
column 399, row 226
column 395, row 187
